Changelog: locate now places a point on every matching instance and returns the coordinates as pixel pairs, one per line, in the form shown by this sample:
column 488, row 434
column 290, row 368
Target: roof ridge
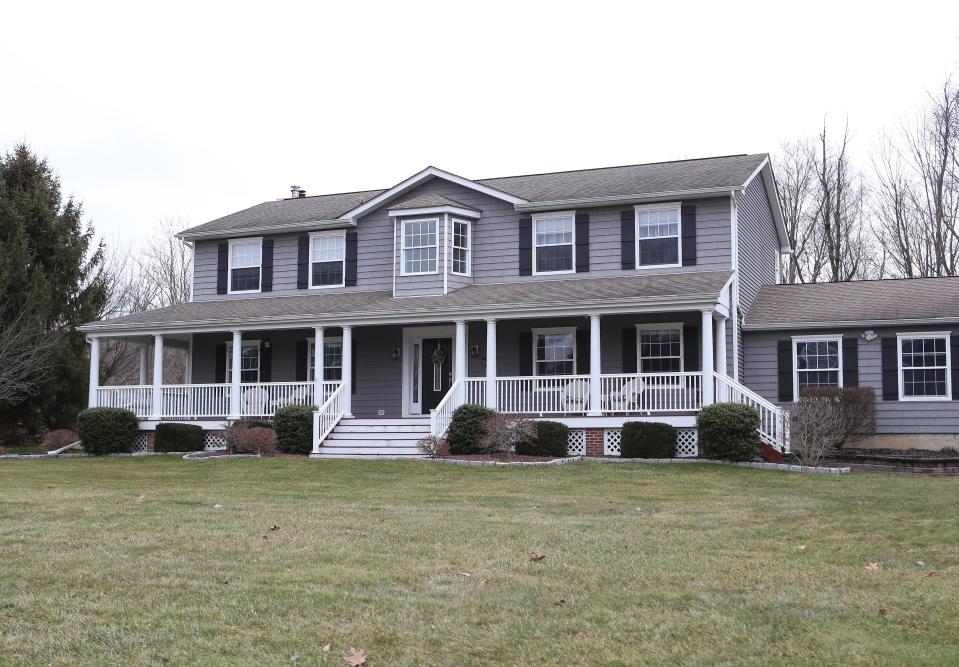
column 620, row 166
column 326, row 194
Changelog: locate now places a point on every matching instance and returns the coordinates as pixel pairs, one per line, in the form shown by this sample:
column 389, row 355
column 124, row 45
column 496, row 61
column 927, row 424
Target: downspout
column 734, row 297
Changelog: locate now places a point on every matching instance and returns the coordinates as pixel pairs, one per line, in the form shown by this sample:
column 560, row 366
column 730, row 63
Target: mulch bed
column 499, row 458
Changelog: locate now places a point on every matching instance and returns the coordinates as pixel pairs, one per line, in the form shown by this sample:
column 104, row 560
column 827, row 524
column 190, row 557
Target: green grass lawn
column 160, row 561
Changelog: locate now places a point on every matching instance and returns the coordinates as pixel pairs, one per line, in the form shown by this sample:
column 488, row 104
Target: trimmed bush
column 294, row 429
column 241, row 438
column 552, row 439
column 107, row 430
column 172, row 437
column 727, row 431
column 466, row 429
column 648, row 440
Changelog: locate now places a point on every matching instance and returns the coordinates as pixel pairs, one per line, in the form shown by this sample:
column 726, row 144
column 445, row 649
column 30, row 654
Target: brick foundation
column 594, row 441
column 149, row 435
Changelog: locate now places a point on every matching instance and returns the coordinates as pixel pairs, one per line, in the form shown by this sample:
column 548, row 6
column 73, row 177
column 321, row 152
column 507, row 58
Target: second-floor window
column 419, row 246
column 461, row 247
column 554, row 235
column 657, row 235
column 245, row 262
column 327, row 258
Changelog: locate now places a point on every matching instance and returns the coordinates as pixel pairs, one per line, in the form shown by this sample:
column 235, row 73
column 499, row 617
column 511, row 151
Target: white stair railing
column 773, row 420
column 442, row 414
column 327, row 417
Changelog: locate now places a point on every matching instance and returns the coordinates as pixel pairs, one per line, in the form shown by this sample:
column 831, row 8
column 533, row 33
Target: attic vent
column 296, row 192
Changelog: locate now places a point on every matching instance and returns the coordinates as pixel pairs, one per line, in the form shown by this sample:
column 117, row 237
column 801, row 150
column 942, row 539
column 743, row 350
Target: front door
column 437, row 371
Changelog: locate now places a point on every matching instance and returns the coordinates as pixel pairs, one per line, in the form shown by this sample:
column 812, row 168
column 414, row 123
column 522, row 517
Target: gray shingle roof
column 797, row 306
column 426, row 200
column 639, row 180
column 354, row 306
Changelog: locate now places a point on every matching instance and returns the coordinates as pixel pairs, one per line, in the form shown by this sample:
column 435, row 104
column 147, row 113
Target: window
column 553, row 238
column 332, row 360
column 245, row 265
column 461, row 247
column 327, row 258
column 249, row 361
column 924, row 367
column 554, row 351
column 661, row 348
column 657, row 235
column 817, row 363
column 419, row 246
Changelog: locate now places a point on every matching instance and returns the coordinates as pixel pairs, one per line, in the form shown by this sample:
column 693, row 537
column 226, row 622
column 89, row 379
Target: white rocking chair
column 575, row 396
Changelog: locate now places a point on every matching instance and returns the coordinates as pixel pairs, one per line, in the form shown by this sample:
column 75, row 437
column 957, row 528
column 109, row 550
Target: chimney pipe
column 301, row 193
column 294, row 191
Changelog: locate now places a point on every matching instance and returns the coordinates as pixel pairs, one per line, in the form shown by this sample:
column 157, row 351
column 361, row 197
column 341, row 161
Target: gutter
column 309, row 225
column 698, row 193
column 847, row 324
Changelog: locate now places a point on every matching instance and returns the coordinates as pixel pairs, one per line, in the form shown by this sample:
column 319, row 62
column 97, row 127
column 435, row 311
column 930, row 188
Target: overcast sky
column 196, row 110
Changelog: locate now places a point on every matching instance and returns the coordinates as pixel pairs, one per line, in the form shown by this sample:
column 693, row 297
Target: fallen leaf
column 140, row 499
column 872, row 567
column 883, row 611
column 355, row 657
column 295, row 657
column 274, row 528
column 466, row 574
column 920, row 563
column 218, row 507
column 326, row 648
column 932, row 574
column 535, row 557
column 802, row 547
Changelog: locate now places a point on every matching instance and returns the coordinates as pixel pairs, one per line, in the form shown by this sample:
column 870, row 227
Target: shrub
column 171, row 437
column 727, row 431
column 107, row 430
column 855, row 410
column 552, row 439
column 57, row 439
column 294, row 429
column 258, row 423
column 242, row 438
column 503, row 433
column 648, row 440
column 466, row 428
column 431, row 446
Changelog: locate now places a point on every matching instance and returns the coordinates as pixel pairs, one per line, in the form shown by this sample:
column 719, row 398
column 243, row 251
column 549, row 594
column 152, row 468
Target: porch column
column 144, row 360
column 460, row 363
column 491, row 364
column 346, row 399
column 708, row 363
column 595, row 367
column 318, row 342
column 94, row 372
column 235, row 373
column 721, row 355
column 158, row 376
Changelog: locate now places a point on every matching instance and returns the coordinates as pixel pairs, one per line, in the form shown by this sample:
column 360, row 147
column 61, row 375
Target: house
column 592, row 297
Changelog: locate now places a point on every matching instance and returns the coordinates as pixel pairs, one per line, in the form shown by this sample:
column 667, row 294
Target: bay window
column 461, row 247
column 419, row 246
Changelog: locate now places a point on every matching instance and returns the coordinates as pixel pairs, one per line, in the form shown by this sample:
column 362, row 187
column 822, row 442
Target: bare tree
column 27, row 357
column 167, row 264
column 797, row 190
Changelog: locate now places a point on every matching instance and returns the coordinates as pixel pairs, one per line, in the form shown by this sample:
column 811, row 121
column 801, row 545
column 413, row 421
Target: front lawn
column 156, row 560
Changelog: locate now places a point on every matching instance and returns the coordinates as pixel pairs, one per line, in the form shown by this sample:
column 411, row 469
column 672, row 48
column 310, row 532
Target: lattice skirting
column 214, row 440
column 687, row 442
column 577, row 443
column 139, row 443
column 612, row 437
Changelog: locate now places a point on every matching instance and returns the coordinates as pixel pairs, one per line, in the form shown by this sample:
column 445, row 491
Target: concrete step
column 345, row 427
column 384, row 421
column 412, row 438
column 367, row 457
column 366, row 442
column 328, row 450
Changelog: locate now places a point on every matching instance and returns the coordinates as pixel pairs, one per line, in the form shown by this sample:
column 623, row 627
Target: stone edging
column 198, row 456
column 503, row 464
column 738, row 464
column 84, row 455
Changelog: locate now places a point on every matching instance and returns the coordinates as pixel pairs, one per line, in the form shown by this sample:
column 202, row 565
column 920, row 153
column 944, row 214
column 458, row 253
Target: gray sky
column 194, row 110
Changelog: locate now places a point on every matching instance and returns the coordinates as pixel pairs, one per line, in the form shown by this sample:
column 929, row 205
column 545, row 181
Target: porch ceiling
column 519, row 299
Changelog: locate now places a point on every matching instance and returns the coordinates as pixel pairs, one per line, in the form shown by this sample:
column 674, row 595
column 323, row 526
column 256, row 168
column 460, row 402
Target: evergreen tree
column 50, row 272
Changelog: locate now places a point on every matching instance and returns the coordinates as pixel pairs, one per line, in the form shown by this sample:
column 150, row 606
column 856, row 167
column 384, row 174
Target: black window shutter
column 222, row 267
column 850, row 361
column 219, row 364
column 955, row 366
column 627, row 238
column 582, row 351
column 629, row 350
column 526, row 246
column 303, row 261
column 784, row 354
column 266, row 284
column 890, row 369
column 266, row 361
column 350, row 278
column 302, row 365
column 353, row 357
column 688, row 213
column 582, row 242
column 526, row 353
column 691, row 357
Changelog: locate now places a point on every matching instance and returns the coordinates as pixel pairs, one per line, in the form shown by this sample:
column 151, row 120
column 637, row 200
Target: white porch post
column 459, row 361
column 318, row 342
column 235, row 373
column 158, row 376
column 491, row 364
column 595, row 367
column 94, row 372
column 346, row 399
column 721, row 355
column 708, row 362
column 144, row 360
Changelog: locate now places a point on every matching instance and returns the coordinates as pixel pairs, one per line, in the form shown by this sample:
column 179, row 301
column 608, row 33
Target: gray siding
column 758, row 243
column 893, row 417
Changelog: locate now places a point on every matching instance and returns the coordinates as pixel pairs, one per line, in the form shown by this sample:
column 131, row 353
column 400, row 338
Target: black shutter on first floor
column 302, row 261
column 629, row 350
column 266, row 361
column 582, row 242
column 222, row 267
column 582, row 351
column 955, row 367
column 688, row 216
column 691, row 357
column 350, row 265
column 850, row 361
column 525, row 353
column 526, row 246
column 219, row 364
column 266, row 284
column 302, row 363
column 784, row 355
column 627, row 238
column 890, row 369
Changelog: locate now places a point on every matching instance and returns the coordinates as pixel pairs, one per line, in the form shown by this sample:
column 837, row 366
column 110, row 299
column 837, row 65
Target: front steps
column 375, row 438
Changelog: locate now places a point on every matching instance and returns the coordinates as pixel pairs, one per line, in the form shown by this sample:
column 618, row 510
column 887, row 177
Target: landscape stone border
column 764, row 465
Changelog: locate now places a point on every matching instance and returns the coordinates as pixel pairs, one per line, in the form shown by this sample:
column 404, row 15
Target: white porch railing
column 441, row 415
column 559, row 394
column 262, row 399
column 773, row 420
column 135, row 398
column 193, row 401
column 652, row 392
column 326, row 418
column 475, row 390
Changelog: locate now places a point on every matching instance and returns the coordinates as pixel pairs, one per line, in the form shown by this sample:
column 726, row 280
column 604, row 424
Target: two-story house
column 591, row 297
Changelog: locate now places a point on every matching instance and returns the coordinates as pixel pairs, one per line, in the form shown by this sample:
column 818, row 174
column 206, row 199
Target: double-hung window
column 661, row 348
column 554, row 236
column 332, row 360
column 554, row 351
column 249, row 361
column 461, row 247
column 327, row 259
column 245, row 261
column 924, row 367
column 817, row 362
column 419, row 246
column 658, row 235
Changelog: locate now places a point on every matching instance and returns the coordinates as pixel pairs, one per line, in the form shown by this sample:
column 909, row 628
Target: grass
column 160, row 561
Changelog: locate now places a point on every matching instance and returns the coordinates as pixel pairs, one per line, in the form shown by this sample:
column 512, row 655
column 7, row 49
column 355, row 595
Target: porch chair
column 629, row 396
column 299, row 396
column 575, row 396
column 255, row 402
